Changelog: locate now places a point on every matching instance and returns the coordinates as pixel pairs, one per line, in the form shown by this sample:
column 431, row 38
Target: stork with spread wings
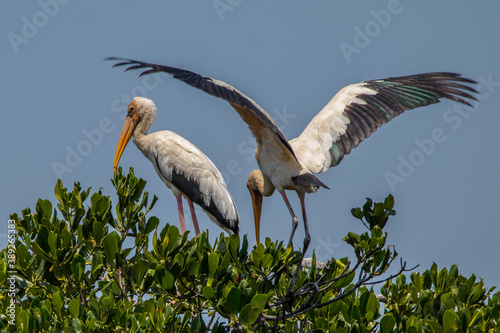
column 351, row 116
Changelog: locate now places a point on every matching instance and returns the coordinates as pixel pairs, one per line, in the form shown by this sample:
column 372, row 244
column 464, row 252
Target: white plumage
column 181, row 166
column 313, row 145
column 351, row 116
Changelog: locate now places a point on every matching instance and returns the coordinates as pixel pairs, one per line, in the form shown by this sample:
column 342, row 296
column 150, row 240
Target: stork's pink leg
column 307, row 238
column 193, row 216
column 295, row 221
column 181, row 213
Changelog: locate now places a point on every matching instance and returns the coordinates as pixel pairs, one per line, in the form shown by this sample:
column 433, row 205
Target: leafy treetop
column 83, row 266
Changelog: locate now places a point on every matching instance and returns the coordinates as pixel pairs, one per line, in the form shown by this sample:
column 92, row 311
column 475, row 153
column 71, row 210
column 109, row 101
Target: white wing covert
column 358, row 110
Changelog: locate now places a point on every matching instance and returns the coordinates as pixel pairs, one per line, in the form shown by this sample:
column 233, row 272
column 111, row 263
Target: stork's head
column 259, row 187
column 141, row 113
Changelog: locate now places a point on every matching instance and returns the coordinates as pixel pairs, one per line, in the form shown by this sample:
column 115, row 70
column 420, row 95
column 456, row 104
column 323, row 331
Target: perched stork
column 181, row 166
column 351, row 116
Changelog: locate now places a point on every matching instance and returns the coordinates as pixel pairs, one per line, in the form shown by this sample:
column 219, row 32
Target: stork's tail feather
column 308, row 179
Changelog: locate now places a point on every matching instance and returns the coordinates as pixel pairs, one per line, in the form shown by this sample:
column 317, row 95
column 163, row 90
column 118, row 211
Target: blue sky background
column 291, row 57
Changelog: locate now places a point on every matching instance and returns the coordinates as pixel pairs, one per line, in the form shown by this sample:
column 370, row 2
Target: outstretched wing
column 263, row 127
column 360, row 109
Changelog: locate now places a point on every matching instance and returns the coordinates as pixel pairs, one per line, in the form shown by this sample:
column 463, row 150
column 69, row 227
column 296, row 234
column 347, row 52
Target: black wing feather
column 213, row 87
column 191, row 189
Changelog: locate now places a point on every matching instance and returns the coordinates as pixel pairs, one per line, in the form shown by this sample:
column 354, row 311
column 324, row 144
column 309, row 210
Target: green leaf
column 208, row 292
column 213, row 263
column 59, row 191
column 453, row 273
column 153, row 222
column 38, row 250
column 44, row 209
column 387, row 323
column 441, row 279
column 476, row 318
column 448, row 300
column 173, row 236
column 159, row 273
column 140, row 270
column 413, row 324
column 249, row 314
column 259, row 301
column 57, row 302
column 45, row 313
column 96, row 264
column 98, row 232
column 357, row 213
column 372, row 304
column 368, row 205
column 74, row 307
column 233, row 300
column 42, row 239
column 321, row 323
column 77, row 267
column 234, row 242
column 203, row 267
column 52, row 241
column 106, row 302
column 451, row 321
column 168, row 280
column 389, row 202
column 243, row 249
column 266, row 261
column 343, row 282
column 434, row 326
column 417, row 281
column 111, row 246
column 477, row 293
column 179, row 259
column 379, row 209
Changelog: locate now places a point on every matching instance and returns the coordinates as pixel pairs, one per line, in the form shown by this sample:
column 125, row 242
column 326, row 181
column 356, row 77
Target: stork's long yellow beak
column 125, row 135
column 257, row 210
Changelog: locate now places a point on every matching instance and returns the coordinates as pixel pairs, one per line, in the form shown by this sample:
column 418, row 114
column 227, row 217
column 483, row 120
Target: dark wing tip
column 149, row 71
column 122, row 62
column 447, row 85
column 235, row 228
column 130, row 67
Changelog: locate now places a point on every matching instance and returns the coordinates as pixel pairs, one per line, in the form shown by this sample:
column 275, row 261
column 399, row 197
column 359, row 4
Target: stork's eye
column 130, row 111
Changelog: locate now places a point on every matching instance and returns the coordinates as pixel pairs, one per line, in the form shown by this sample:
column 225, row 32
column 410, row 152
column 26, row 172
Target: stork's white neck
column 146, row 110
column 140, row 135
